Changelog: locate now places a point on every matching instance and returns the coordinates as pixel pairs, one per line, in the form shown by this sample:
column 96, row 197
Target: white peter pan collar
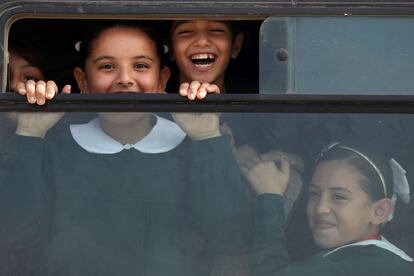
column 163, row 137
column 383, row 243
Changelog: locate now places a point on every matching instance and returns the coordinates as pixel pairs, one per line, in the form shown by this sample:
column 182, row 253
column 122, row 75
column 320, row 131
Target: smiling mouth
column 323, row 224
column 203, row 60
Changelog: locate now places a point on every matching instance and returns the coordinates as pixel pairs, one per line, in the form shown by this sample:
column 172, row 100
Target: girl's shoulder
column 370, row 259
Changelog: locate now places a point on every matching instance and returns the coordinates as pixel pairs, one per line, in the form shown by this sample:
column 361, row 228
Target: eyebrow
column 340, row 189
column 336, row 189
column 111, row 58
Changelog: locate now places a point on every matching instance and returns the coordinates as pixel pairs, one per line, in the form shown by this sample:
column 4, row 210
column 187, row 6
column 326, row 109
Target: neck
column 375, row 236
column 126, row 128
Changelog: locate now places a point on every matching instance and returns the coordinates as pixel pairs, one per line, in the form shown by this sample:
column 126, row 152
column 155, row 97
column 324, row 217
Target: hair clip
column 400, row 182
column 166, row 49
column 78, row 45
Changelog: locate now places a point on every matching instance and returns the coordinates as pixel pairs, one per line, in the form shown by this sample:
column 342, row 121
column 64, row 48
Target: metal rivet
column 282, row 54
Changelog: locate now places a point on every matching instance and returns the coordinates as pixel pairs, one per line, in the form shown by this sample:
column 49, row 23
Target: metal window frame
column 12, row 10
column 247, row 103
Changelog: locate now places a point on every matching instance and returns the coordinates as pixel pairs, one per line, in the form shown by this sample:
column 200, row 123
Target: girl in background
column 350, row 198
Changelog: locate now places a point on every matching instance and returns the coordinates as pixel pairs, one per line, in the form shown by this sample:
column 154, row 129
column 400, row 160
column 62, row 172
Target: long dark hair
column 84, row 46
column 28, row 39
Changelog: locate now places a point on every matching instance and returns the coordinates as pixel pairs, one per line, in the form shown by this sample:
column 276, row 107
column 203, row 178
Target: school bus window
column 206, row 193
column 199, row 199
column 201, row 55
column 336, row 55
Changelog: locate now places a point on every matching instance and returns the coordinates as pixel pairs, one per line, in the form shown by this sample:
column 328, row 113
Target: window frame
column 12, row 10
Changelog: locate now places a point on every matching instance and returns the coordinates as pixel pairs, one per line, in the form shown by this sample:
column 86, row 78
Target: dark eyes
column 218, row 31
column 106, row 67
column 109, row 67
column 339, row 197
column 141, row 66
column 188, row 32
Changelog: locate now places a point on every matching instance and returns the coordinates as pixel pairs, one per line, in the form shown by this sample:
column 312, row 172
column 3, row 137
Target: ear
column 80, row 77
column 163, row 79
column 237, row 45
column 382, row 210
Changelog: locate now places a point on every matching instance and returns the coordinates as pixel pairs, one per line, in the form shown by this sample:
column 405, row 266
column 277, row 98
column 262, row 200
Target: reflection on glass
column 200, row 194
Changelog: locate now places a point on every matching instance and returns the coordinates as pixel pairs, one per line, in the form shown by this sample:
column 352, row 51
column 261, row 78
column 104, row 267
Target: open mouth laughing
column 203, row 60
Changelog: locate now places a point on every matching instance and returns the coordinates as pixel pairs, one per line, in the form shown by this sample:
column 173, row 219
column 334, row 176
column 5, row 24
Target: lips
column 322, row 224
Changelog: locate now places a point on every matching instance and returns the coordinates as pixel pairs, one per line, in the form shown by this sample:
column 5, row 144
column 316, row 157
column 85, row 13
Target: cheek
column 178, row 48
column 98, row 83
column 149, row 82
column 225, row 45
column 310, row 210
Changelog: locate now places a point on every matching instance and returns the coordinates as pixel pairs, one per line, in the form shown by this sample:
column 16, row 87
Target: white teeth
column 202, row 56
column 202, row 65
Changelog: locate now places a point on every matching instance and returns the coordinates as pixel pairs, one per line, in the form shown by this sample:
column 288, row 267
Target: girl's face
column 21, row 71
column 122, row 59
column 203, row 49
column 339, row 211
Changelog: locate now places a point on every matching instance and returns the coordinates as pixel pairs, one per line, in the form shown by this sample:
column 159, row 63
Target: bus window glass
column 337, row 55
column 179, row 201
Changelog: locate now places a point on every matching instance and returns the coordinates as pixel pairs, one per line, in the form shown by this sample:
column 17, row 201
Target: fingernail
column 32, row 99
column 50, row 94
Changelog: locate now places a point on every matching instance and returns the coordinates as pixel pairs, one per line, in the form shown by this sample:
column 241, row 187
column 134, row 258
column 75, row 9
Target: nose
column 202, row 39
column 323, row 206
column 125, row 78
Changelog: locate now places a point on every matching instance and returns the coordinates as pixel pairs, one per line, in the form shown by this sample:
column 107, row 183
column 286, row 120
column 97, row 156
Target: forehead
column 15, row 60
column 337, row 174
column 123, row 40
column 199, row 23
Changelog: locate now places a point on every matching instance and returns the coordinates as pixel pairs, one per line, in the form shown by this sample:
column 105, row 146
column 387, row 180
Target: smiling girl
column 125, row 193
column 350, row 198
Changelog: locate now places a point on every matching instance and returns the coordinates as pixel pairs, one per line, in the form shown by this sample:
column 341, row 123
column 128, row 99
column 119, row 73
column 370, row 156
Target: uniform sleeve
column 269, row 253
column 218, row 196
column 22, row 206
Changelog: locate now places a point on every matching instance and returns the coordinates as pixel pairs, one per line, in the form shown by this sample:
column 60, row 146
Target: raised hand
column 198, row 90
column 265, row 177
column 199, row 126
column 39, row 92
column 36, row 124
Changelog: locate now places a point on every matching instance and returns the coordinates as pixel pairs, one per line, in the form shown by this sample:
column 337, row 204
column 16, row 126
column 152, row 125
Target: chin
column 326, row 242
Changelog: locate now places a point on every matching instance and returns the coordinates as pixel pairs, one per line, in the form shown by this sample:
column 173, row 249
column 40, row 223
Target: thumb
column 66, row 89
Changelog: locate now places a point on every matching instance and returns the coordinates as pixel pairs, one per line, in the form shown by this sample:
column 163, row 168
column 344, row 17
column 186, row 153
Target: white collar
column 383, row 243
column 164, row 136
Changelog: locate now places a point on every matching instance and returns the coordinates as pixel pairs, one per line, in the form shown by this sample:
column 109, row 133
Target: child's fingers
column 213, row 89
column 183, row 90
column 252, row 163
column 202, row 91
column 40, row 92
column 51, row 90
column 285, row 167
column 21, row 88
column 192, row 91
column 30, row 91
column 67, row 89
column 275, row 155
